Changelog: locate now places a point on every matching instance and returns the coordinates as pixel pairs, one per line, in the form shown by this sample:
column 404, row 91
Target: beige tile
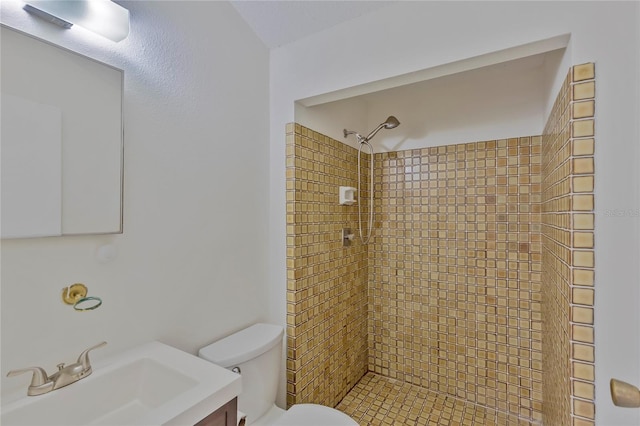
column 290, row 127
column 582, row 128
column 583, row 352
column 582, row 203
column 583, row 221
column 584, row 259
column 585, row 90
column 582, row 315
column 583, row 239
column 582, row 165
column 584, row 408
column 567, row 202
column 582, row 183
column 584, row 390
column 583, row 147
column 583, row 109
column 584, row 72
column 315, row 263
column 582, row 333
column 584, row 277
column 582, row 296
column 583, row 371
column 378, row 400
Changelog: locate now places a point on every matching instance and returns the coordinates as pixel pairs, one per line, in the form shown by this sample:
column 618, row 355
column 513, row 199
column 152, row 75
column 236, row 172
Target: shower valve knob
column 347, row 237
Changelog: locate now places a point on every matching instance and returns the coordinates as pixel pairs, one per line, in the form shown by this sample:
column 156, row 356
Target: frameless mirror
column 62, row 140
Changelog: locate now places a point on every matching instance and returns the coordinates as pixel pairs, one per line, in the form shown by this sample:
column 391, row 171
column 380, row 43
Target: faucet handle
column 84, row 356
column 39, row 377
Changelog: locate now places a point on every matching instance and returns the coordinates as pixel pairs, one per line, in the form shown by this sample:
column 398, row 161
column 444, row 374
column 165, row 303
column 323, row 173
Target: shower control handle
column 347, row 237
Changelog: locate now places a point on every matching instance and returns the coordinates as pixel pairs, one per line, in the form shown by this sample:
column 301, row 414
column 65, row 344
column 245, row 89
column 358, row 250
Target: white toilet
column 257, row 352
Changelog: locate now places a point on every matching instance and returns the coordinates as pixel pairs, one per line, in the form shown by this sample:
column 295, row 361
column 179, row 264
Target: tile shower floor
column 378, row 400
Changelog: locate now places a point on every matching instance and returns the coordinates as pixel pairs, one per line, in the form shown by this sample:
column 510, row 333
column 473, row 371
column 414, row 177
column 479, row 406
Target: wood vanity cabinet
column 223, row 416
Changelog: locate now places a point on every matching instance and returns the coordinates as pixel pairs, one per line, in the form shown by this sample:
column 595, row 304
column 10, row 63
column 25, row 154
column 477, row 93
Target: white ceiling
column 279, row 22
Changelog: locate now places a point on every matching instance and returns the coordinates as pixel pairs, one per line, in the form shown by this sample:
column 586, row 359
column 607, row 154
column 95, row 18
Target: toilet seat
column 314, row 415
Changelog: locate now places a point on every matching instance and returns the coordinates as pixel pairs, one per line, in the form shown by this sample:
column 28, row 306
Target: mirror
column 62, row 140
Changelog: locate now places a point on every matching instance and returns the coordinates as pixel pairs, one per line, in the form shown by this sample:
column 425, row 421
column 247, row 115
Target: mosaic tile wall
column 326, row 282
column 568, row 255
column 449, row 295
column 455, row 269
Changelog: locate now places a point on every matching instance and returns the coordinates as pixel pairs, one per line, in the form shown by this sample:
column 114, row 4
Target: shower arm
column 352, row 132
column 362, row 139
column 390, row 123
column 373, row 133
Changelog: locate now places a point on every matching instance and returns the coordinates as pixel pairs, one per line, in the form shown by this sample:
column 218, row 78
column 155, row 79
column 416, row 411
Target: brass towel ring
column 76, row 295
column 94, row 302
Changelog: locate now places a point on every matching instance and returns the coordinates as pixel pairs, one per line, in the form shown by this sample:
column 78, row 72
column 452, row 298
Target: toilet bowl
column 255, row 353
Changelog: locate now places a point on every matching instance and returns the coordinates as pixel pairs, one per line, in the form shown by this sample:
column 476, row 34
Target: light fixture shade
column 103, row 17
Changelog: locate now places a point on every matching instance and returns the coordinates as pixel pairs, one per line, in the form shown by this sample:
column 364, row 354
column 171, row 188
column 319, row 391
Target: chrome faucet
column 41, row 383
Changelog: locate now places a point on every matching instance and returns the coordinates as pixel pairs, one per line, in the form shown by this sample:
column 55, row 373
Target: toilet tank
column 257, row 352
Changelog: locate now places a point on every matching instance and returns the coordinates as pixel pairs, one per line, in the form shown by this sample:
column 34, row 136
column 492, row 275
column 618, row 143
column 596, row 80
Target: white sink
column 152, row 384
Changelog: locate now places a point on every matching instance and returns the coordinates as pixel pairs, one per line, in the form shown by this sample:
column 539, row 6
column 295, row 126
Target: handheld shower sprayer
column 390, row 123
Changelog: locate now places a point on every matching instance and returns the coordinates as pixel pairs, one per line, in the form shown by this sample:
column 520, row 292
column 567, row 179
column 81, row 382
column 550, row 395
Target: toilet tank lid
column 243, row 345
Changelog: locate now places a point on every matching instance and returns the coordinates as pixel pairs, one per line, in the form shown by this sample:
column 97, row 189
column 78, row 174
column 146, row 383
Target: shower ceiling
column 491, row 102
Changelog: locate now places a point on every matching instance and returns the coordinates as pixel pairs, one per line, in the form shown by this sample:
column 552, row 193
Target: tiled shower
column 475, row 294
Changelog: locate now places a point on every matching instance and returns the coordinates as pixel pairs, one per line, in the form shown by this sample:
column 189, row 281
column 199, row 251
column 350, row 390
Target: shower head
column 391, row 123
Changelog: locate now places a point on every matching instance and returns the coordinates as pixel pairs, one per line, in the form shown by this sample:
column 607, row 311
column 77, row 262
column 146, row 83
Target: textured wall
column 568, row 256
column 454, row 272
column 326, row 283
column 195, row 197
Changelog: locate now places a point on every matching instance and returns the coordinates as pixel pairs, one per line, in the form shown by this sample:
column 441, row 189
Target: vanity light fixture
column 103, row 17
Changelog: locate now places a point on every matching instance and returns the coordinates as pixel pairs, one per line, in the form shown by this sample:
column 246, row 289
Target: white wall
column 499, row 101
column 191, row 264
column 332, row 118
column 412, row 36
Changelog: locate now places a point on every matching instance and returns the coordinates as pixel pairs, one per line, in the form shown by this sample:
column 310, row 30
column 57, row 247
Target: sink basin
column 152, row 384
